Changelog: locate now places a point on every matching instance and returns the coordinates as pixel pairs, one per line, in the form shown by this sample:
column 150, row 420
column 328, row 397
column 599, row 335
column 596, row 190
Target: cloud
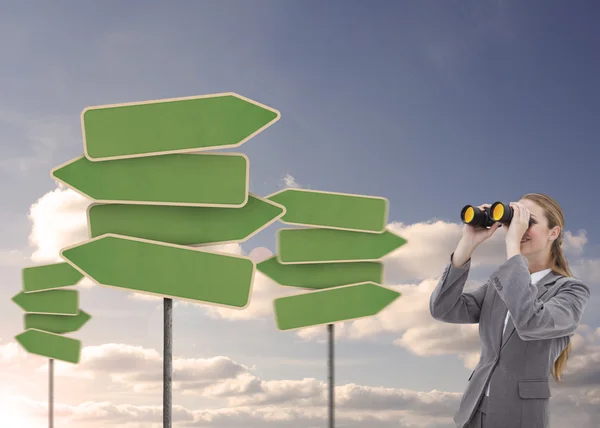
column 11, row 354
column 290, row 181
column 583, row 365
column 255, row 402
column 574, row 243
column 140, row 369
column 59, row 220
column 357, row 406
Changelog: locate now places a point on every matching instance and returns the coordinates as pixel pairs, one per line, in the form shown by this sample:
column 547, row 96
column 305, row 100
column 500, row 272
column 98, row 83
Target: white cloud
column 59, row 220
column 11, row 354
column 290, row 181
column 574, row 243
column 357, row 406
column 255, row 402
column 140, row 369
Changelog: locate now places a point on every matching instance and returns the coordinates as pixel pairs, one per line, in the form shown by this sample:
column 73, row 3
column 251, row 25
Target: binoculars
column 497, row 213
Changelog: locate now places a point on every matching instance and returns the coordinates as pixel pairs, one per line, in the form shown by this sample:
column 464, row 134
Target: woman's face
column 538, row 238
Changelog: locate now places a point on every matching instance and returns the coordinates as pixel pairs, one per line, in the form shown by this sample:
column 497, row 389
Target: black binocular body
column 497, row 213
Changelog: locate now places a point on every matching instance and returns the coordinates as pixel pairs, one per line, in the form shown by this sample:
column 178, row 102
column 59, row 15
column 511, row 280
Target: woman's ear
column 555, row 233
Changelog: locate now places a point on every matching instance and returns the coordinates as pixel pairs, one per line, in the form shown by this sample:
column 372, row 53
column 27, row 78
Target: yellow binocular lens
column 472, row 215
column 497, row 213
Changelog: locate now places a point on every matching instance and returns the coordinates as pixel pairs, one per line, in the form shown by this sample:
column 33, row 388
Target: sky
column 432, row 105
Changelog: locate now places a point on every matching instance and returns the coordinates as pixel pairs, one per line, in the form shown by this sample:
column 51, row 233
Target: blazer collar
column 546, row 282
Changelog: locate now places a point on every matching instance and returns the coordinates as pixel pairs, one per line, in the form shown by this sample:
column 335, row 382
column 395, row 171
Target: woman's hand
column 517, row 227
column 474, row 236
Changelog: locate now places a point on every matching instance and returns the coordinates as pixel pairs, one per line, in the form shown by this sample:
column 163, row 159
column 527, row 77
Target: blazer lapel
column 543, row 286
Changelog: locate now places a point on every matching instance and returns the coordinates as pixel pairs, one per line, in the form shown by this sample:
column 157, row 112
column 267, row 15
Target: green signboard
column 51, row 311
column 56, row 323
column 320, row 275
column 319, row 245
column 184, row 225
column 175, row 125
column 215, row 180
column 56, row 302
column 50, row 345
column 333, row 210
column 328, row 306
column 49, row 277
column 164, row 269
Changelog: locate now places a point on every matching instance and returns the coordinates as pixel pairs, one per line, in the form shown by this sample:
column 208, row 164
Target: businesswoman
column 527, row 312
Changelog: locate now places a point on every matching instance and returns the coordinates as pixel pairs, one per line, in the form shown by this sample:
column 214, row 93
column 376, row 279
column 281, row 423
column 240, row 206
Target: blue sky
column 432, row 105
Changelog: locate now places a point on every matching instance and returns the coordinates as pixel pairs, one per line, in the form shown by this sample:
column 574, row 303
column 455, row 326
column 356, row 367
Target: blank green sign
column 56, row 323
column 58, row 302
column 179, row 179
column 341, row 211
column 165, row 270
column 321, row 275
column 183, row 225
column 329, row 245
column 45, row 277
column 224, row 120
column 332, row 305
column 50, row 345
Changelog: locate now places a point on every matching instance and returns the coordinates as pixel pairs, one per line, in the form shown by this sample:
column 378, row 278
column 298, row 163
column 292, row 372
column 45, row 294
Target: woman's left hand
column 518, row 225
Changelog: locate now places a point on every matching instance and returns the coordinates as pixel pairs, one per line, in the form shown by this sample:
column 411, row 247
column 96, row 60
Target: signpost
column 332, row 210
column 163, row 269
column 155, row 193
column 336, row 255
column 58, row 302
column 50, row 345
column 342, row 303
column 199, row 180
column 184, row 225
column 330, row 245
column 320, row 275
column 51, row 311
column 175, row 125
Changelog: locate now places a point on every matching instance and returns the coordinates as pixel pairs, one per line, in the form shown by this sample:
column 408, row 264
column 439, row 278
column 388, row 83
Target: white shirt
column 535, row 277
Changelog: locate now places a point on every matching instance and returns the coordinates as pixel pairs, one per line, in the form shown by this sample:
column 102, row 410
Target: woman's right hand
column 475, row 235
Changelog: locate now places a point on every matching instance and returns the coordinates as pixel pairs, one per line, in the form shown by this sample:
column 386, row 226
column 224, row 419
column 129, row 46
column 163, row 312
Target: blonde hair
column 557, row 261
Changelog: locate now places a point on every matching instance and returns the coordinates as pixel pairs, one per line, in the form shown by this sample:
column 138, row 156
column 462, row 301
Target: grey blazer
column 543, row 318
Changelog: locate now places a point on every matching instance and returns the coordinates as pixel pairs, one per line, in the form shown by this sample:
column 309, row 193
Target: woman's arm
column 448, row 302
column 533, row 318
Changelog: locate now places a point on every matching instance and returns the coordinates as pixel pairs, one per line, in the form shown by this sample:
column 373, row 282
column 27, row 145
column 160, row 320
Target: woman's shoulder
column 572, row 282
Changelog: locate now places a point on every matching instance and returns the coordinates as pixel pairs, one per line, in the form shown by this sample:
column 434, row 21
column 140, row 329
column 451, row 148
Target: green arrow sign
column 56, row 323
column 172, row 125
column 50, row 345
column 49, row 277
column 164, row 269
column 218, row 180
column 320, row 245
column 328, row 306
column 321, row 275
column 333, row 210
column 184, row 225
column 53, row 302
